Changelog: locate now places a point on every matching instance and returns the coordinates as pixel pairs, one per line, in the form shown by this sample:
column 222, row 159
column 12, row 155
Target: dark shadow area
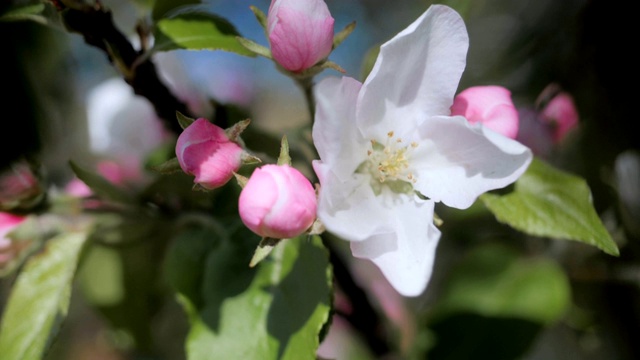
column 473, row 336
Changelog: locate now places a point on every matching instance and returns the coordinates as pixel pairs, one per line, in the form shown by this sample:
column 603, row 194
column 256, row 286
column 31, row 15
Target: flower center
column 388, row 165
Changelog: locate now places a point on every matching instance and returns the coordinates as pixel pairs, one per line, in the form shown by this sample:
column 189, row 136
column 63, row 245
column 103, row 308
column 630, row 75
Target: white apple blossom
column 389, row 150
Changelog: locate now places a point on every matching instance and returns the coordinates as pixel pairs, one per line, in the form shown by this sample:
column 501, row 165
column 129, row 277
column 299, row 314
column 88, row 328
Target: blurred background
column 496, row 293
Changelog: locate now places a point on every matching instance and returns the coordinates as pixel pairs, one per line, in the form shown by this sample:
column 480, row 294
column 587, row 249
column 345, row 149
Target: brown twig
column 95, row 24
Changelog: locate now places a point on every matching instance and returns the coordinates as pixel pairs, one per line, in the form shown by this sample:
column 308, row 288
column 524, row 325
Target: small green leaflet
column 197, row 31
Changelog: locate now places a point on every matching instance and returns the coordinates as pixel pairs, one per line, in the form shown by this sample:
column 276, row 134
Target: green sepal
column 242, row 180
column 170, row 166
column 331, row 65
column 234, row 132
column 342, row 35
column 254, row 47
column 316, row 228
column 184, row 120
column 248, row 159
column 263, row 249
column 284, row 158
column 261, row 17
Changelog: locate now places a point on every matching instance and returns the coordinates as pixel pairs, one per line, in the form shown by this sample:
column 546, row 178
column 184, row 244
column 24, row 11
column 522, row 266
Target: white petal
column 417, row 72
column 335, row 135
column 456, row 162
column 350, row 209
column 405, row 256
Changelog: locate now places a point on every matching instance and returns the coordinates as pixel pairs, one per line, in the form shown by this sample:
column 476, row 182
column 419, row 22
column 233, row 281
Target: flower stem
column 306, row 84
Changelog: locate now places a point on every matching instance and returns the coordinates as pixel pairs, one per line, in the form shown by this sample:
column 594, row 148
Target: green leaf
column 100, row 186
column 186, row 260
column 197, row 31
column 550, row 203
column 163, row 8
column 275, row 310
column 496, row 281
column 39, row 299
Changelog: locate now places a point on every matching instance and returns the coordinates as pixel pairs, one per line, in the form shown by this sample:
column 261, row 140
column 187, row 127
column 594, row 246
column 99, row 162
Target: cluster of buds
column 276, row 201
column 550, row 123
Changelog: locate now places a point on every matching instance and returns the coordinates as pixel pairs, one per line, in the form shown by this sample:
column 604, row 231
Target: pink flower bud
column 277, row 202
column 300, row 32
column 20, row 187
column 490, row 105
column 560, row 112
column 204, row 150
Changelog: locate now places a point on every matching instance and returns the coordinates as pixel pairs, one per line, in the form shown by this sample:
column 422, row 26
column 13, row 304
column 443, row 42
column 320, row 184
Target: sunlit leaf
column 197, row 31
column 39, row 299
column 548, row 202
column 275, row 310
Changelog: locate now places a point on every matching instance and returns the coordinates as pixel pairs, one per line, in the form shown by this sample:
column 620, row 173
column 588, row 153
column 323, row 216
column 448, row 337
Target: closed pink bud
column 561, row 112
column 20, row 187
column 490, row 105
column 300, row 32
column 277, row 202
column 204, row 150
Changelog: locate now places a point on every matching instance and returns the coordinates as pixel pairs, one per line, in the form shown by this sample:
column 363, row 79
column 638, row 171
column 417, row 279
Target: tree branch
column 95, row 24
